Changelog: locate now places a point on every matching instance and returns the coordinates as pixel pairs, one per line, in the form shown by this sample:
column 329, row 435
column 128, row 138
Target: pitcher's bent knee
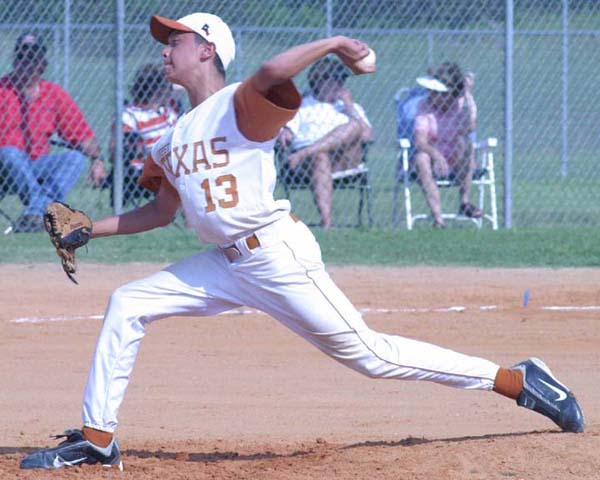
column 127, row 303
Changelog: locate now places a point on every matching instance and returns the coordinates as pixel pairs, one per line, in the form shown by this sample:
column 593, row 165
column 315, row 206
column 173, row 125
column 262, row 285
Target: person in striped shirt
column 152, row 110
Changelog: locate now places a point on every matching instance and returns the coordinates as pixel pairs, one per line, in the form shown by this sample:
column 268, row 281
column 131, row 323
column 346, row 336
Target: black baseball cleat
column 75, row 450
column 544, row 394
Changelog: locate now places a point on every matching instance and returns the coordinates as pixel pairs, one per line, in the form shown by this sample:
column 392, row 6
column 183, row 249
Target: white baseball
column 368, row 62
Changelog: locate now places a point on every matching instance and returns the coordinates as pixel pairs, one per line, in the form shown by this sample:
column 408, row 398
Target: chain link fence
column 535, row 66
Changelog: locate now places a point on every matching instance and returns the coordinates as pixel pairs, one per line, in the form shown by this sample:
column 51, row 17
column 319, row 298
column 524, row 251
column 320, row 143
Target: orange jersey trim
column 260, row 117
column 152, row 176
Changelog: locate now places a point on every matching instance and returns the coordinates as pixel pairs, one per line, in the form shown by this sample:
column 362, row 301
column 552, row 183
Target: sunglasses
column 32, row 54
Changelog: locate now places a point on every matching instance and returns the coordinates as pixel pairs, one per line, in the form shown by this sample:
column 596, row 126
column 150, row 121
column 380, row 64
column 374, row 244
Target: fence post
column 239, row 54
column 329, row 20
column 508, row 112
column 56, row 53
column 119, row 101
column 430, row 49
column 67, row 43
column 564, row 113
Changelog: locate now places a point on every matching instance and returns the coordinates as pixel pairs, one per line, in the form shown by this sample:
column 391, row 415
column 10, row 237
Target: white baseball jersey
column 225, row 182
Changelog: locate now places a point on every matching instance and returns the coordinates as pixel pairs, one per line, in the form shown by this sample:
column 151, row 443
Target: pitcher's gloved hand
column 69, row 229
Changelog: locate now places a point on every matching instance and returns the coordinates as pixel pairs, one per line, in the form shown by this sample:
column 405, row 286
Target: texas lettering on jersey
column 214, row 167
column 192, row 157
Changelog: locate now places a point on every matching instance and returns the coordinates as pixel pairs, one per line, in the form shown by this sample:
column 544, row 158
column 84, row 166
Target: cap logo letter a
column 205, row 29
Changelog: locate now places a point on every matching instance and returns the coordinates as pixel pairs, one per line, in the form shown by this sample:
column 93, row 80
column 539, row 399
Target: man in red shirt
column 31, row 111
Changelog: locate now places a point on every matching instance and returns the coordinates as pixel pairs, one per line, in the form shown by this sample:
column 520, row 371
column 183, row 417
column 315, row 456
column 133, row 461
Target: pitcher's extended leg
column 181, row 289
column 309, row 303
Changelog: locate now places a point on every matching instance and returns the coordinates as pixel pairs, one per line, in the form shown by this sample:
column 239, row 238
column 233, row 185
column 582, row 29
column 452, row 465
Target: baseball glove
column 69, row 229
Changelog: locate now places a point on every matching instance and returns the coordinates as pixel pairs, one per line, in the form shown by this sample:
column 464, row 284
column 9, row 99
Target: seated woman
column 152, row 110
column 326, row 135
column 444, row 150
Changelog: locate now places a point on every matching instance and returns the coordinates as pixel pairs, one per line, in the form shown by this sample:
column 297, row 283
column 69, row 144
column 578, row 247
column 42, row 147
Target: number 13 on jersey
column 231, row 198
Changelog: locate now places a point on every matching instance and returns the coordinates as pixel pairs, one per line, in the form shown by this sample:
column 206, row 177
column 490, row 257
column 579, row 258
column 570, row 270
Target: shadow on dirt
column 412, row 441
column 215, row 457
column 212, row 457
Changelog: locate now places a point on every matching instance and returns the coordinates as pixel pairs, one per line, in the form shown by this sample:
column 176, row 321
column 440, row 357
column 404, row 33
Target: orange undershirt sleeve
column 152, row 176
column 260, row 117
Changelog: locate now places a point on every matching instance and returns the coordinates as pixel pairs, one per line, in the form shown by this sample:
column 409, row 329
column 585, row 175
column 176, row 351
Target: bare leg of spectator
column 464, row 171
column 322, row 186
column 348, row 157
column 465, row 164
column 341, row 139
column 430, row 189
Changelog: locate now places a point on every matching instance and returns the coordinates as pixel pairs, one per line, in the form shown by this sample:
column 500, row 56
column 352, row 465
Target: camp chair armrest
column 490, row 142
column 404, row 143
column 350, row 172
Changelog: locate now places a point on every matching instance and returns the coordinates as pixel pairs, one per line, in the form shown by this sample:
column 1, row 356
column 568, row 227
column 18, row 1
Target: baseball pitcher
column 217, row 163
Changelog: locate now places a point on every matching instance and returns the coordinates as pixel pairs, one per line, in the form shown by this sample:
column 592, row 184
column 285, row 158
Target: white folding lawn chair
column 484, row 181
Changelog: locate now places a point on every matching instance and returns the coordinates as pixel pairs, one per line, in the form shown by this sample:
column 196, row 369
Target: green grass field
column 459, row 246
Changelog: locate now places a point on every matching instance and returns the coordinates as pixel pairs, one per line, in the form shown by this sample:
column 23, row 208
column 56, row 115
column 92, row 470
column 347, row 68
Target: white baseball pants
column 285, row 278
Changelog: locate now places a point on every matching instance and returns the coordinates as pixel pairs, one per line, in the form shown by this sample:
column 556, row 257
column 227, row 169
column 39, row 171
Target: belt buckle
column 232, row 253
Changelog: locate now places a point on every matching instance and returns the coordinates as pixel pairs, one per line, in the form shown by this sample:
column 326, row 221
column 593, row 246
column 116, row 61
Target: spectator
column 153, row 109
column 327, row 134
column 31, row 111
column 443, row 125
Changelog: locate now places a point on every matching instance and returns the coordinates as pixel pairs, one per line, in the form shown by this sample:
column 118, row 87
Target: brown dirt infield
column 239, row 396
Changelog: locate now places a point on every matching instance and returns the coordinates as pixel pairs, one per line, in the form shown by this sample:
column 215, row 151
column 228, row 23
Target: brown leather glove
column 69, row 229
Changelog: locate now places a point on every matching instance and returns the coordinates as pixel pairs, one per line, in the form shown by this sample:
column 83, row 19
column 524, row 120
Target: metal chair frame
column 483, row 179
column 352, row 178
